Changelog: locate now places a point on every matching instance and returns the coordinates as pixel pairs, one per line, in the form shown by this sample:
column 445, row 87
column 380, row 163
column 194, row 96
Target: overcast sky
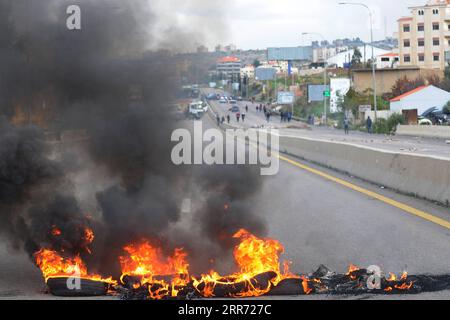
column 252, row 24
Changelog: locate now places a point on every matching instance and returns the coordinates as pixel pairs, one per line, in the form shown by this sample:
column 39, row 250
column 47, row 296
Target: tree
column 447, row 73
column 446, row 109
column 352, row 100
column 445, row 83
column 356, row 58
column 256, row 63
column 404, row 85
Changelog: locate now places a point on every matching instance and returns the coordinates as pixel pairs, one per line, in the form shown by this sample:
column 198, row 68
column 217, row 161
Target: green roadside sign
column 327, row 93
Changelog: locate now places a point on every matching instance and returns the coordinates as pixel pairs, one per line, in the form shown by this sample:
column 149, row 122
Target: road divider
column 440, row 132
column 420, row 176
column 413, row 211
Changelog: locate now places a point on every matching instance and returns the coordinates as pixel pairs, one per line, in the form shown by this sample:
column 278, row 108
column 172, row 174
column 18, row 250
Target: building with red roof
column 388, row 60
column 229, row 67
column 420, row 99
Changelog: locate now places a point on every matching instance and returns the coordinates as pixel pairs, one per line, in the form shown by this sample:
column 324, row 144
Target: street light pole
column 374, row 79
column 325, row 107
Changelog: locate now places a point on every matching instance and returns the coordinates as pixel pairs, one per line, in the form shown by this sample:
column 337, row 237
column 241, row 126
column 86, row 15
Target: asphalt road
column 319, row 222
column 399, row 144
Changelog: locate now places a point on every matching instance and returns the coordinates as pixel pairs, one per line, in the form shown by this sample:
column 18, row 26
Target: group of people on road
column 369, row 124
column 261, row 108
column 220, row 120
column 240, row 116
column 285, row 116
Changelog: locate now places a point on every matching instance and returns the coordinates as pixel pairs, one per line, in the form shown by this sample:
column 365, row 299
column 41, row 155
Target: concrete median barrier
column 441, row 132
column 421, row 176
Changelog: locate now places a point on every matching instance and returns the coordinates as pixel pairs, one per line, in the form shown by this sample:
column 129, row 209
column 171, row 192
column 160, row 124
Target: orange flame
column 146, row 262
column 305, row 283
column 392, row 277
column 404, row 287
column 89, row 235
column 53, row 265
column 56, row 232
column 351, row 270
column 253, row 256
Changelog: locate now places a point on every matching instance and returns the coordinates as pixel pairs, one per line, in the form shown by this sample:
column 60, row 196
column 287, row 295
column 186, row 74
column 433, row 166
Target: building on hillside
column 420, row 99
column 228, row 49
column 248, row 71
column 280, row 66
column 424, row 37
column 231, row 48
column 362, row 79
column 322, row 54
column 387, row 60
column 229, row 67
column 344, row 58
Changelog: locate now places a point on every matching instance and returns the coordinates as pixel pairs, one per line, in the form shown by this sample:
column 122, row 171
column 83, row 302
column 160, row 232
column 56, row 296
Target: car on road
column 425, row 122
column 197, row 109
column 211, row 96
column 232, row 102
column 435, row 116
column 235, row 109
column 223, row 100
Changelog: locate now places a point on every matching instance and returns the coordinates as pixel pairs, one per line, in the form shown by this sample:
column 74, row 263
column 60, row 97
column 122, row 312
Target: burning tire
column 87, row 288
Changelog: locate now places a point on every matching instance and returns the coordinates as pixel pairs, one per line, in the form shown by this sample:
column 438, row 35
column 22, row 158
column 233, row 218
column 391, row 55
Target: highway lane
column 400, row 144
column 319, row 222
column 322, row 222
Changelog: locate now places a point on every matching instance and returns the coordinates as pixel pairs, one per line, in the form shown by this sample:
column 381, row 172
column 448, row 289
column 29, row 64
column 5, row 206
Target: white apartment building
column 248, row 71
column 324, row 53
column 387, row 60
column 229, row 67
column 424, row 37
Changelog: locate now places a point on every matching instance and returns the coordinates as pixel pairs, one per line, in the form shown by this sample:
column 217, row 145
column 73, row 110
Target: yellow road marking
column 413, row 211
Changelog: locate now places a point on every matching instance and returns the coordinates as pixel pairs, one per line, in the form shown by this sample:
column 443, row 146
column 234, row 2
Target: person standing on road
column 218, row 119
column 243, row 117
column 246, row 108
column 222, row 120
column 346, row 125
column 238, row 116
column 228, row 118
column 369, row 124
column 289, row 117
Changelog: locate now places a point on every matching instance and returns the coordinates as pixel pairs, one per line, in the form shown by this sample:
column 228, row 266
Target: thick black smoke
column 88, row 80
column 30, row 206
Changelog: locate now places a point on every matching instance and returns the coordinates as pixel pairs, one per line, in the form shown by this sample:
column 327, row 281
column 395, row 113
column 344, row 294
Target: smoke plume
column 111, row 85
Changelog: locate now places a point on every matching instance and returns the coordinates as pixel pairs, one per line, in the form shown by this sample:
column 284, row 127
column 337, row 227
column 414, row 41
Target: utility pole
column 374, row 79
